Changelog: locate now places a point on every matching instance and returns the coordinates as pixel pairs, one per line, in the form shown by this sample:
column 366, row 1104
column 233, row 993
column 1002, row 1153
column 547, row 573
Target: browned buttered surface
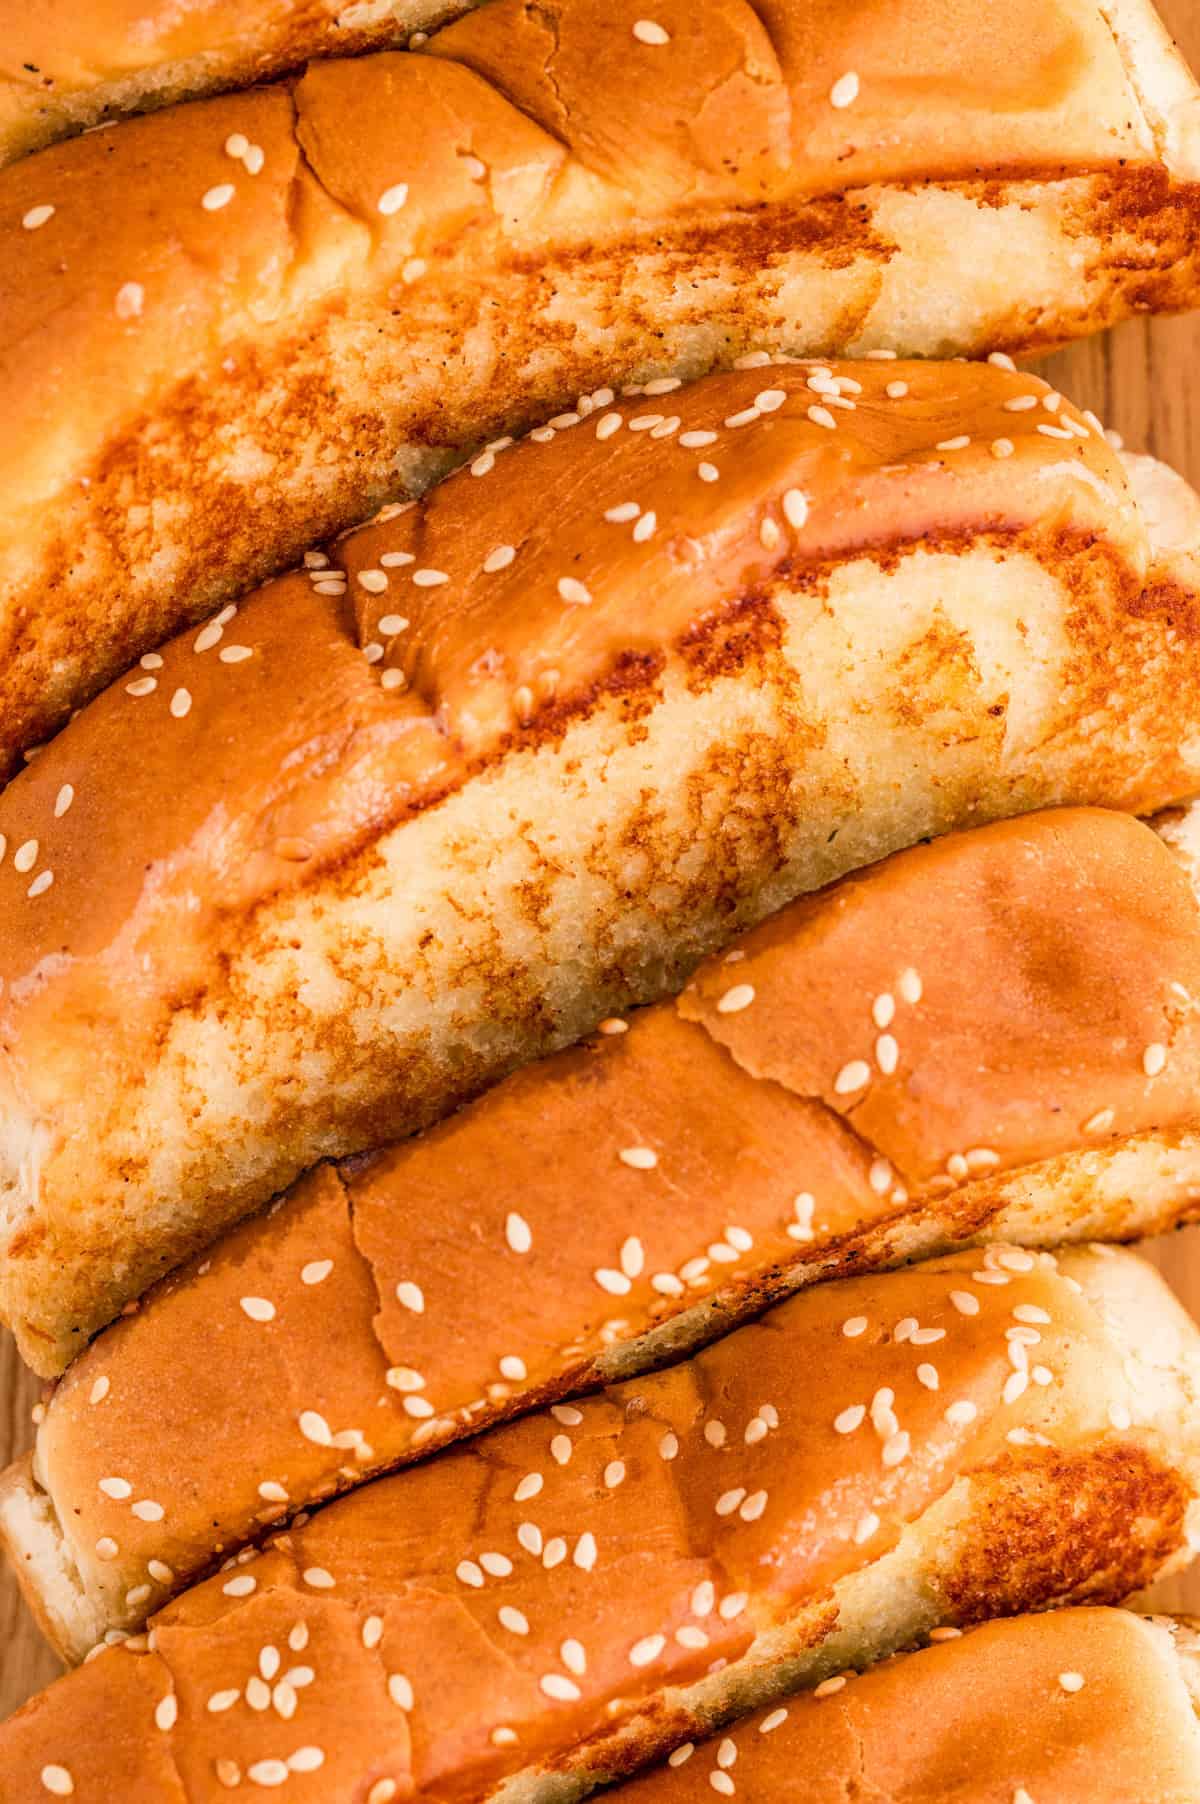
column 1136, row 378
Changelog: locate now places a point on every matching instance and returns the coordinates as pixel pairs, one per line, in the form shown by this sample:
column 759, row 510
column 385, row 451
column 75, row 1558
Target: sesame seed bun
column 564, row 1599
column 511, row 759
column 267, row 341
column 429, row 1291
column 995, row 1716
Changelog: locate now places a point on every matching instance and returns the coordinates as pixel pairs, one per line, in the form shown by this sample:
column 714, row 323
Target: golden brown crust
column 195, row 394
column 551, row 1597
column 712, row 1186
column 847, row 606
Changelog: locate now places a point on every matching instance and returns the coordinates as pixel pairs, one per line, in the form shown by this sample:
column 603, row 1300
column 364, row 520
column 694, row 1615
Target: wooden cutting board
column 1144, row 379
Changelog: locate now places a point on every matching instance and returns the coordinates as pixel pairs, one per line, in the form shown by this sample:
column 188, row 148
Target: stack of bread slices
column 599, row 902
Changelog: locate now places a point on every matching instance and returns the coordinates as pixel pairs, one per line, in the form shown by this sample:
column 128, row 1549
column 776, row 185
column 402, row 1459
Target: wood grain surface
column 1144, row 379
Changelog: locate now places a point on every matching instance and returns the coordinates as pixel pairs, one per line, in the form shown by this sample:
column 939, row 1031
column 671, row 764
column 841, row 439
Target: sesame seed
column 614, row 1473
column 828, row 1687
column 633, row 1257
column 639, row 1158
column 715, row 1433
column 795, row 508
column 217, row 197
column 258, row 1309
column 106, row 1548
column 1031, row 1313
column 384, row 1790
column 146, row 1510
column 518, row 1233
column 513, row 1367
column 607, row 424
column 896, row 391
column 318, row 1578
column 468, row 1573
column 615, row 1283
column 1071, row 1681
column 429, row 579
column 573, row 1657
column 315, row 1428
column 392, row 199
column 896, row 1448
column 571, row 589
column 418, row 1406
column 821, row 416
column 770, row 399
column 910, row 986
column 131, row 297
column 961, row 1414
column 732, row 1606
column 880, row 1176
column 645, row 527
column 40, row 885
column 707, row 472
column 746, row 417
column 1154, row 1059
column 1014, row 1259
column 844, row 91
column 646, row 31
column 411, row 1296
column 681, row 1754
column 850, row 1419
column 1059, row 432
column 753, row 1507
column 484, row 464
column 25, row 856
column 142, row 686
column 696, row 441
column 646, row 1650
column 1021, row 403
column 729, row 1501
column 316, row 1271
column 57, row 1781
column 116, row 1488
column 736, row 999
column 853, row 1326
column 562, row 1690
column 240, row 1586
column 166, row 1712
column 887, row 1054
column 306, row 1760
column 865, row 1527
column 400, row 1690
column 722, row 1782
column 99, row 1390
column 964, row 1302
column 181, row 703
column 928, row 1376
column 853, row 1076
column 222, row 1700
column 955, row 444
column 1002, row 447
column 529, row 1487
column 561, row 1447
column 515, row 1621
column 1015, row 1386
column 585, row 1552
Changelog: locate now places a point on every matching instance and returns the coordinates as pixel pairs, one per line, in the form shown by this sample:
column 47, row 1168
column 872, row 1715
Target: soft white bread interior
column 1083, row 1706
column 563, row 1599
column 514, row 757
column 312, row 297
column 723, row 1164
